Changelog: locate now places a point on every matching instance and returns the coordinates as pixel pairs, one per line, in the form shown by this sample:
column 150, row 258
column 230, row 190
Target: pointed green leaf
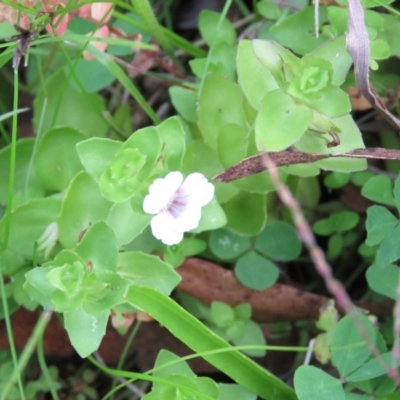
column 86, row 330
column 198, row 337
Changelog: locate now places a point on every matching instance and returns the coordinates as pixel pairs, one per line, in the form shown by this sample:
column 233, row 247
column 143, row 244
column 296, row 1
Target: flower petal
column 188, row 219
column 177, row 205
column 161, row 192
column 163, row 229
column 199, row 189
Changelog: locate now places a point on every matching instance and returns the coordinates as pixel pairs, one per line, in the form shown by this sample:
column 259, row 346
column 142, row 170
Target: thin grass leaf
column 198, row 337
column 120, row 75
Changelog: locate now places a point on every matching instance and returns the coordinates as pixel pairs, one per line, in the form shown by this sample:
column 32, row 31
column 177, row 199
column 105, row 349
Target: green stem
column 125, row 350
column 7, row 224
column 221, row 19
column 45, row 369
column 28, row 351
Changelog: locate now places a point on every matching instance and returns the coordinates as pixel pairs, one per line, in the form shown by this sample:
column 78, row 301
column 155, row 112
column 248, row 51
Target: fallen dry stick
column 208, row 282
column 255, row 164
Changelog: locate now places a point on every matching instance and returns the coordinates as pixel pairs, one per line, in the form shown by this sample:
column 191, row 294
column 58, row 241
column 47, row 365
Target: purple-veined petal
column 162, row 192
column 177, row 205
column 188, row 219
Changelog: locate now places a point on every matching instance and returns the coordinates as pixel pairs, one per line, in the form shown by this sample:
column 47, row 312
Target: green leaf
column 120, row 180
column 315, row 77
column 335, row 246
column 229, row 391
column 243, row 311
column 335, row 52
column 312, row 383
column 201, row 158
column 255, row 78
column 108, row 61
column 127, row 220
column 212, row 217
column 341, row 221
column 145, row 270
column 83, row 205
column 350, row 139
column 336, row 180
column 220, row 62
column 360, row 178
column 279, row 241
column 297, row 30
column 192, row 246
column 61, row 281
column 222, row 314
column 215, row 111
column 373, row 368
column 98, row 246
column 380, row 223
column 56, row 161
column 380, row 189
column 235, row 330
column 277, row 59
column 148, row 142
column 172, row 137
column 92, row 75
column 68, row 278
column 396, row 192
column 66, row 106
column 323, row 227
column 28, row 223
column 380, row 49
column 232, row 144
column 182, row 387
column 332, row 102
column 228, row 245
column 26, row 183
column 86, row 330
column 96, row 153
column 235, row 144
column 199, row 338
column 208, row 24
column 38, row 286
column 184, row 100
column 166, row 365
column 246, row 213
column 389, row 250
column 280, row 122
column 348, row 345
column 384, row 279
column 253, row 335
column 256, row 272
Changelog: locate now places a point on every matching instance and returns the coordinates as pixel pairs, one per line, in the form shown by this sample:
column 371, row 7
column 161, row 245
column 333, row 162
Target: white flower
column 176, row 205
